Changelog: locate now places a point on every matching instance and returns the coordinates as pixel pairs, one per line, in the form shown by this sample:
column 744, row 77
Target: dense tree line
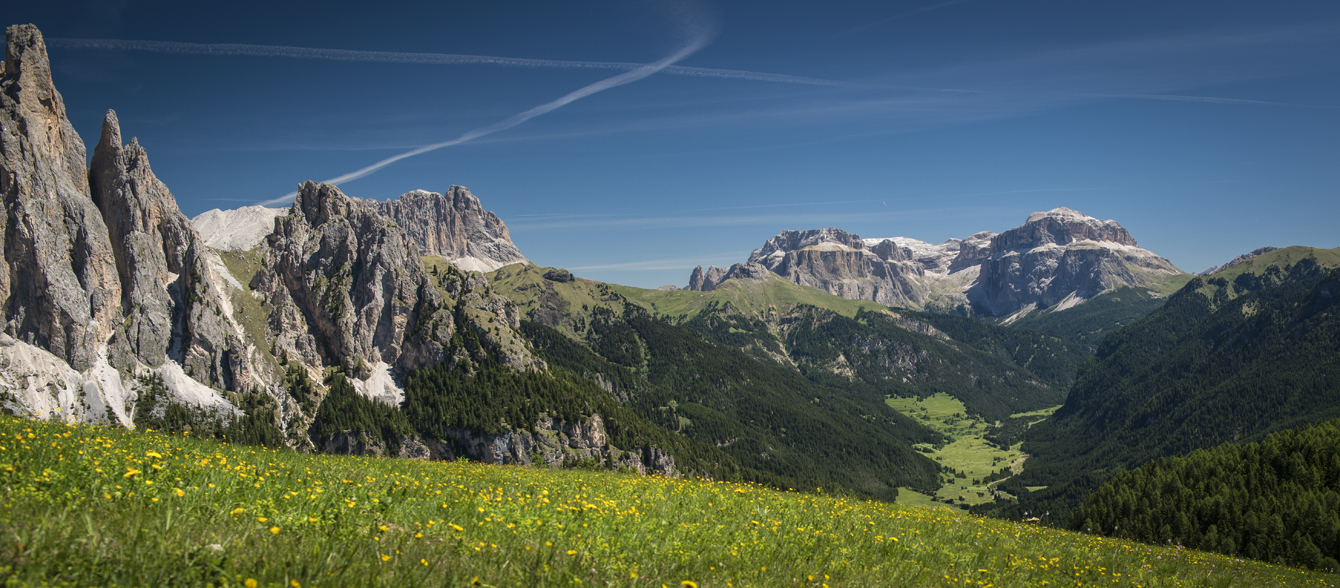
column 990, row 369
column 1053, row 359
column 345, row 411
column 1277, row 500
column 1205, row 369
column 495, row 400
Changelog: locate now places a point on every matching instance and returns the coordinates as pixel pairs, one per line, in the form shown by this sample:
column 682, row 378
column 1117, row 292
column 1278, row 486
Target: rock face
column 1055, row 256
column 1062, row 254
column 702, row 281
column 116, row 308
column 554, row 444
column 239, row 229
column 174, row 293
column 61, row 291
column 103, row 273
column 454, row 226
column 346, row 285
column 837, row 262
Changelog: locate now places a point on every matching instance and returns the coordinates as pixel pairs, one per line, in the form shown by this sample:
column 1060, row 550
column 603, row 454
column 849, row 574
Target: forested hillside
column 1277, row 500
column 1089, row 322
column 884, row 353
column 764, row 415
column 1221, row 361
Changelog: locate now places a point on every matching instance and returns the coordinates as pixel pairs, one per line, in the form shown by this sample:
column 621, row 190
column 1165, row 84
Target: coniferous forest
column 1277, row 500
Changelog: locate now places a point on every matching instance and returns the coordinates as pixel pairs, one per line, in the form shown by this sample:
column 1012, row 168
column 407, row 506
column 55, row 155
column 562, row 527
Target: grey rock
column 839, row 263
column 703, row 281
column 553, row 444
column 238, row 229
column 176, row 305
column 559, row 275
column 1059, row 254
column 454, row 226
column 149, row 239
column 347, row 285
column 61, row 291
column 1054, row 256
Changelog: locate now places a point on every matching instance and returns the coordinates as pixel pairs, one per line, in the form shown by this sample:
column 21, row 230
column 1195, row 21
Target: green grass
column 1280, row 258
column 107, row 507
column 753, row 298
column 968, row 453
column 1326, row 258
column 248, row 310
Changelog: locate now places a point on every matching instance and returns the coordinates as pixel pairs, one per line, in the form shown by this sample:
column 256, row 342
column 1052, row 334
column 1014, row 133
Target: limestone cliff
column 1058, row 257
column 453, row 226
column 1062, row 255
column 839, row 263
column 346, row 287
column 175, row 293
column 61, row 291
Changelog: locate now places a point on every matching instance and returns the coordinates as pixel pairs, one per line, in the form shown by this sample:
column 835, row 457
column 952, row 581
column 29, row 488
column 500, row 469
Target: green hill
column 91, row 506
column 1231, row 357
column 1277, row 500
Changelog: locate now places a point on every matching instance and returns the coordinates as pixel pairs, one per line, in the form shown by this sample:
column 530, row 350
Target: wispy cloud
column 701, row 37
column 284, row 51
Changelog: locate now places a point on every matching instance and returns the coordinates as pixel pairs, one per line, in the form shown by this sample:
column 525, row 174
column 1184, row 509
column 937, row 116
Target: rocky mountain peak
column 1060, row 226
column 788, row 241
column 238, row 229
column 60, row 291
column 454, row 226
column 319, row 203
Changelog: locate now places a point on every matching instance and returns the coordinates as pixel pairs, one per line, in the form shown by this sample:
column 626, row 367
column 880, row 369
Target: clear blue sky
column 1206, row 128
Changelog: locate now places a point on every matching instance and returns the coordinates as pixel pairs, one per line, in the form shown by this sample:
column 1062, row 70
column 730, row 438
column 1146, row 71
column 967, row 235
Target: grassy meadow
column 967, row 452
column 99, row 506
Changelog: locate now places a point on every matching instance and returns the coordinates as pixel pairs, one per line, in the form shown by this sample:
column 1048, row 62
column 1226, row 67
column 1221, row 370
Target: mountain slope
column 764, row 414
column 1276, row 500
column 1221, row 361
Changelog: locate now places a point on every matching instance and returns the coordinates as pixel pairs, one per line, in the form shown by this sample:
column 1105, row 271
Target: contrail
column 628, row 77
column 415, row 58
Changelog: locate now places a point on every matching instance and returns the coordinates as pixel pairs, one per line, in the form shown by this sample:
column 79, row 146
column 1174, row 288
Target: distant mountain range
column 1054, row 261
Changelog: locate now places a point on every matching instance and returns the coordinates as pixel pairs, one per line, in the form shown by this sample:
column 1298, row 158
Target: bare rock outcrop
column 702, row 281
column 1055, row 256
column 1058, row 255
column 454, row 226
column 60, row 290
column 238, row 229
column 839, row 263
column 347, row 286
column 554, row 443
column 175, row 297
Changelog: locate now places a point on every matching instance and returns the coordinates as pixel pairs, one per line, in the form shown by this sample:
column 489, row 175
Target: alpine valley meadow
column 369, row 392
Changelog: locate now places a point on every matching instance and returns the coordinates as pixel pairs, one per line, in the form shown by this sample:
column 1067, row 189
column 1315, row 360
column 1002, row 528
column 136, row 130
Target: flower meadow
column 87, row 505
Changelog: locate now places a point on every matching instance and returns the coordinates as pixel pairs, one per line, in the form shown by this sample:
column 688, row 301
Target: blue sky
column 1207, row 129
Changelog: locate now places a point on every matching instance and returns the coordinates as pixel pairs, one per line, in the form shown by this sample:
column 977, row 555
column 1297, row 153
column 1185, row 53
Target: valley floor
column 972, row 458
